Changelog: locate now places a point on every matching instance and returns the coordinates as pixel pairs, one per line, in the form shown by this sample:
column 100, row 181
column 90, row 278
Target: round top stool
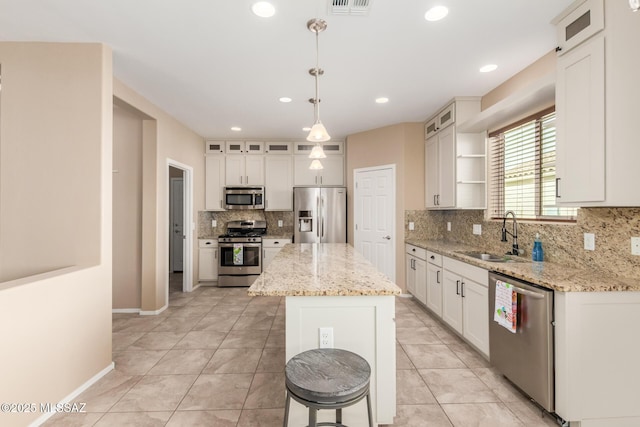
column 327, row 378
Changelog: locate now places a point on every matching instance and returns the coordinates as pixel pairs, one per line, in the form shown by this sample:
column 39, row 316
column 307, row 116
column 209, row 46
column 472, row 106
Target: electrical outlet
column 635, row 246
column 477, row 229
column 326, row 337
column 279, row 223
column 448, row 226
column 412, row 226
column 214, row 223
column 589, row 241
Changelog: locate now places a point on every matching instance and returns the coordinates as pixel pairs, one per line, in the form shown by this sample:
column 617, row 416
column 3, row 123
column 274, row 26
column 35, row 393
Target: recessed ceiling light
column 382, row 100
column 236, row 129
column 436, row 13
column 306, row 129
column 285, row 99
column 488, row 68
column 263, row 9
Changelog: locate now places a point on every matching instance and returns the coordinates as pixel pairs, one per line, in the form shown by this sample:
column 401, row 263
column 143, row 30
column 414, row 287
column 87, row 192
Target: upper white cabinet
column 278, row 183
column 215, row 176
column 329, row 147
column 597, row 105
column 214, row 147
column 278, row 147
column 332, row 173
column 244, row 170
column 244, row 147
column 455, row 173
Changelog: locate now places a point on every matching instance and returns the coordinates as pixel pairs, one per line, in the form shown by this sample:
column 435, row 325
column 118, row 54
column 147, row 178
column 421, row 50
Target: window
column 523, row 170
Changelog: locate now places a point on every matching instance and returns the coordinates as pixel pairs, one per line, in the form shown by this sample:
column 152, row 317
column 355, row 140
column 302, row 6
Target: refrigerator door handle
column 318, row 217
column 322, row 218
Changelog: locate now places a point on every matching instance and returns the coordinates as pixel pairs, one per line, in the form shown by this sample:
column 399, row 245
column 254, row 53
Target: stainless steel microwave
column 244, row 197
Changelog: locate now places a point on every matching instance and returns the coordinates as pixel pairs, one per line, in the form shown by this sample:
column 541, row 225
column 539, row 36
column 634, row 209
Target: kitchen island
column 330, row 285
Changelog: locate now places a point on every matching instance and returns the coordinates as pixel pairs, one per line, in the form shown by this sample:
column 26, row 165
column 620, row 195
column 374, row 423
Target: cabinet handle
column 438, row 276
column 558, row 48
column 321, row 180
column 247, row 180
column 434, row 200
column 438, row 200
column 462, row 289
column 276, row 243
column 457, row 287
column 558, row 188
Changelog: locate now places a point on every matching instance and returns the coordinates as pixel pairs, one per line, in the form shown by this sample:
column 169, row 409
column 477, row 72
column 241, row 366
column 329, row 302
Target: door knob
column 387, row 237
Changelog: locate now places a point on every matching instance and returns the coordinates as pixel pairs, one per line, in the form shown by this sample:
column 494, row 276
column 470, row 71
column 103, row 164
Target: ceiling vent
column 349, row 7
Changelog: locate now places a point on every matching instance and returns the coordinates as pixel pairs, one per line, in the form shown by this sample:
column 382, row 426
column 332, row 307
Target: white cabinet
column 278, row 183
column 329, row 147
column 214, row 147
column 215, row 179
column 207, row 260
column 244, row 170
column 278, row 148
column 434, row 282
column 597, row 104
column 416, row 272
column 440, row 169
column 465, row 302
column 455, row 172
column 332, row 173
column 270, row 248
column 244, row 147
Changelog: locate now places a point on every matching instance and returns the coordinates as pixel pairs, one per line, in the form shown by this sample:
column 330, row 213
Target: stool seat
column 327, row 378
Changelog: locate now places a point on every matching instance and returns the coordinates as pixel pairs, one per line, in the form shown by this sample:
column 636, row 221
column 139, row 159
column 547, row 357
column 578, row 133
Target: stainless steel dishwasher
column 526, row 356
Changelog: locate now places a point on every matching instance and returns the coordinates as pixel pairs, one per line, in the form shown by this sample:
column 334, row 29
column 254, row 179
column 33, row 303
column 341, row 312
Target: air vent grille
column 349, row 7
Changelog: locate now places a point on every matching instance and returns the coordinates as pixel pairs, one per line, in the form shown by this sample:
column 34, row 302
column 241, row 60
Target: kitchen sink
column 489, row 257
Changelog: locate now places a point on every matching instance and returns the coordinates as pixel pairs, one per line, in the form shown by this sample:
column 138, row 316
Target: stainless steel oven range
column 240, row 260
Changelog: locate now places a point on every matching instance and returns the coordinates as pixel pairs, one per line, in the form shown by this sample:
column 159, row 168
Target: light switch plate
column 477, row 229
column 412, row 226
column 589, row 241
column 448, row 226
column 279, row 223
column 635, row 246
column 214, row 223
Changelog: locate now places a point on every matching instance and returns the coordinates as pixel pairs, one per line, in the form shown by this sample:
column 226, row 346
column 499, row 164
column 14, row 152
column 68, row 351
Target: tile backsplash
column 562, row 243
column 206, row 231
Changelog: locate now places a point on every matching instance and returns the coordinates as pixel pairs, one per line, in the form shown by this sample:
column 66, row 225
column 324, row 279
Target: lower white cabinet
column 434, row 282
column 465, row 301
column 270, row 248
column 207, row 260
column 416, row 276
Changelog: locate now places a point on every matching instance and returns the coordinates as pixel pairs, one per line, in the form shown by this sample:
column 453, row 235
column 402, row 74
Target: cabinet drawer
column 434, row 258
column 415, row 251
column 207, row 243
column 275, row 243
column 477, row 274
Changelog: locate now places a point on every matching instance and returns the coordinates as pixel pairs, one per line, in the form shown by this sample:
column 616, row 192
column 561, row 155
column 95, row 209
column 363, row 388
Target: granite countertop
column 552, row 276
column 325, row 269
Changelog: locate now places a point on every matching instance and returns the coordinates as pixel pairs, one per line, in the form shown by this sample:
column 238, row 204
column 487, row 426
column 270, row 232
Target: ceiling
column 213, row 64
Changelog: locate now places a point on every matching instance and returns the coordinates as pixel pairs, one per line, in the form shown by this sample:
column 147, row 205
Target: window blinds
column 523, row 170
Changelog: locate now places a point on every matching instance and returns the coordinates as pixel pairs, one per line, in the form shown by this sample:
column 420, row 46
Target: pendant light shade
column 317, row 152
column 316, row 165
column 318, row 133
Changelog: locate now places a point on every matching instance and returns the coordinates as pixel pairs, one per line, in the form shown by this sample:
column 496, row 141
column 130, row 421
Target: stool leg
column 339, row 416
column 369, row 410
column 313, row 414
column 286, row 411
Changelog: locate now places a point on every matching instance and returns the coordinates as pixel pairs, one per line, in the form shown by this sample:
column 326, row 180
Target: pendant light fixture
column 318, row 132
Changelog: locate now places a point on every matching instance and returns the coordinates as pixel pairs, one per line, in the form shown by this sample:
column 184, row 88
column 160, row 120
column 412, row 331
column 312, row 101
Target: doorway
column 375, row 216
column 180, row 227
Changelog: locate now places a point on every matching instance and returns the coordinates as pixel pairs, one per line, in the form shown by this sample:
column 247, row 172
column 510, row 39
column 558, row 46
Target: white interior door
column 177, row 224
column 374, row 217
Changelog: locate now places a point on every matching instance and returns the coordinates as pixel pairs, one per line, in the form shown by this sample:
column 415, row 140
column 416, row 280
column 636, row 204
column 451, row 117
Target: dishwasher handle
column 528, row 293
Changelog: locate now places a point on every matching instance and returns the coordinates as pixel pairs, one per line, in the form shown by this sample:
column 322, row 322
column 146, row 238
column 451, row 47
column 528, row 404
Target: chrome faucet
column 515, row 250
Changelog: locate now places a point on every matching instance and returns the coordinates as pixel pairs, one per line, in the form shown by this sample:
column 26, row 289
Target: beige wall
column 55, row 189
column 127, row 207
column 403, row 146
column 163, row 138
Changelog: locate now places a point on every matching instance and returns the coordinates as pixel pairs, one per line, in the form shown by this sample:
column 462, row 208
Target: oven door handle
column 247, row 245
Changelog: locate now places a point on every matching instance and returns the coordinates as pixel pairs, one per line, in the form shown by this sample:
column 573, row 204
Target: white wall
column 55, row 211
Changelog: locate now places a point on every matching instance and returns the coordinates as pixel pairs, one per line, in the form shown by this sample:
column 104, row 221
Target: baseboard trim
column 44, row 417
column 125, row 310
column 153, row 312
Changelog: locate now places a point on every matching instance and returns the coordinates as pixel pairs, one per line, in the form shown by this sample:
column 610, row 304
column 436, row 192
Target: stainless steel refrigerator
column 320, row 214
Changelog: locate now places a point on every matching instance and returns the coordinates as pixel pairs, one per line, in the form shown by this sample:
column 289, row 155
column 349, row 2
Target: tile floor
column 216, row 358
